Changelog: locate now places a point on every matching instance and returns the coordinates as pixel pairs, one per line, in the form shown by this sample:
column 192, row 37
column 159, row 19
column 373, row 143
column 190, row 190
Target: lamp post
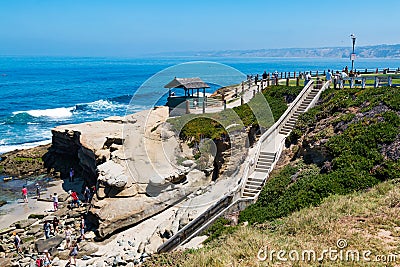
column 353, row 55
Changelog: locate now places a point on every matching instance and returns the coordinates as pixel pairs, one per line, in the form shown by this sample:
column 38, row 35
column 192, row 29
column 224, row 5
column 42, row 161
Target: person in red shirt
column 25, row 194
column 75, row 199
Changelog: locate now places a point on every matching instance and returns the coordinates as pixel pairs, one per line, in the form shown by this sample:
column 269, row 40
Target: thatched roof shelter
column 187, row 83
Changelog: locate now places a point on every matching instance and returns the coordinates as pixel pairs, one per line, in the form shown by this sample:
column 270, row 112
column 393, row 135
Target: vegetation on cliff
column 194, row 127
column 347, row 143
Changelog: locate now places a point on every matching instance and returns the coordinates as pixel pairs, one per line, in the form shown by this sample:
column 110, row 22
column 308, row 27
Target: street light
column 353, row 55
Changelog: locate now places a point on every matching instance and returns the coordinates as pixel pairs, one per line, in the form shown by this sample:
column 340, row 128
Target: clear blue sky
column 132, row 28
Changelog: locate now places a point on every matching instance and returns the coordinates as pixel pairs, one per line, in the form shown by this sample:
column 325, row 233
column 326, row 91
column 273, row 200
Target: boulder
column 34, row 229
column 7, row 230
column 188, row 163
column 48, row 244
column 24, row 223
column 112, row 174
column 120, row 181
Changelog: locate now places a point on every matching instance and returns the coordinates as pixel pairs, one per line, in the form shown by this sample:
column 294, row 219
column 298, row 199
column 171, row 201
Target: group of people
column 70, row 242
column 87, row 194
column 51, row 227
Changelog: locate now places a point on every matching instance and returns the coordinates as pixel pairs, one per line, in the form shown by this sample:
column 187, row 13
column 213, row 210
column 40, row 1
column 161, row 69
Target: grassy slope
column 367, row 220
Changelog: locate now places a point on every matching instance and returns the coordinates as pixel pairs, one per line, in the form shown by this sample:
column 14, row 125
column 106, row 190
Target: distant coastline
column 374, row 51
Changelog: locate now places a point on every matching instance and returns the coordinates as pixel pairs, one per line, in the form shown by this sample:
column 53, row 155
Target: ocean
column 39, row 93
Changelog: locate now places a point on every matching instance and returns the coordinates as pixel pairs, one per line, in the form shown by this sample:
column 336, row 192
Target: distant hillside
column 376, row 51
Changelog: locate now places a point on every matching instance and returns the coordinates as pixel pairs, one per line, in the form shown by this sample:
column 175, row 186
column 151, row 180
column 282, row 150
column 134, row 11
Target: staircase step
column 264, row 166
column 266, row 156
column 287, row 128
column 247, row 194
column 267, row 153
column 262, row 170
column 251, row 190
column 252, row 187
column 284, row 132
column 254, row 183
column 253, row 179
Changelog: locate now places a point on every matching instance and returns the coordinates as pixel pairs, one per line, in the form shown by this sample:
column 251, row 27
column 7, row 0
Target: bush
column 220, row 227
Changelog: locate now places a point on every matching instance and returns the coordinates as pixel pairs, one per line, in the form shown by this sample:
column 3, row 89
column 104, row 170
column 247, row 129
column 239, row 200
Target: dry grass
column 367, row 221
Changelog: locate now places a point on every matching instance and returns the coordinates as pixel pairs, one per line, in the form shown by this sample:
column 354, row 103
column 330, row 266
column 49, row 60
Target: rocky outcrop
column 133, row 164
column 24, row 163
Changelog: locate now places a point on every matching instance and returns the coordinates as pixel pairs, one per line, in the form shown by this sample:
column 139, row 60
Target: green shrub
column 220, row 227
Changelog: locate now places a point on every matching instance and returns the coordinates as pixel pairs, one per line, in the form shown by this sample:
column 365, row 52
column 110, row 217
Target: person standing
column 75, row 199
column 17, row 242
column 56, row 222
column 342, row 78
column 92, row 193
column 68, row 234
column 25, row 194
column 264, row 75
column 37, row 191
column 329, row 78
column 47, row 229
column 82, row 225
column 87, row 195
column 73, row 252
column 55, row 202
column 307, row 78
column 71, row 175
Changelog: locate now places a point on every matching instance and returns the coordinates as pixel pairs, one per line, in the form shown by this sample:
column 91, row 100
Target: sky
column 134, row 28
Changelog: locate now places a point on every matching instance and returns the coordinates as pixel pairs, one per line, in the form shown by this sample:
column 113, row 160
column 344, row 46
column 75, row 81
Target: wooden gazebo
column 189, row 85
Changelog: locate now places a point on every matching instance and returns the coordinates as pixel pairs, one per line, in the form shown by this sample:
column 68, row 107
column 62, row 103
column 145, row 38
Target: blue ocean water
column 39, row 93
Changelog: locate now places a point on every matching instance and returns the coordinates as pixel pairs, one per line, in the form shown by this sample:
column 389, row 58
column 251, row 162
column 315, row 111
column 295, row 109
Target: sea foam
column 56, row 113
column 8, row 148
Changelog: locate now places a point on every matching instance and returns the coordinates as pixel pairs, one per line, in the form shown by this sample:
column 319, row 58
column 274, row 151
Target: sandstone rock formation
column 133, row 163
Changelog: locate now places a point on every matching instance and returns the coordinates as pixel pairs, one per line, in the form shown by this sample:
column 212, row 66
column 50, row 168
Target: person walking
column 25, row 193
column 73, row 252
column 46, row 259
column 17, row 242
column 55, row 202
